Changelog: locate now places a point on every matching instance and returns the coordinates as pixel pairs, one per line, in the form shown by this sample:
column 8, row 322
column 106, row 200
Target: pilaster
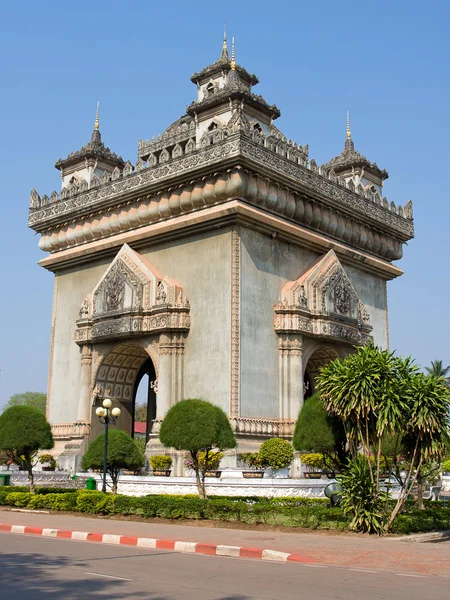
column 290, row 375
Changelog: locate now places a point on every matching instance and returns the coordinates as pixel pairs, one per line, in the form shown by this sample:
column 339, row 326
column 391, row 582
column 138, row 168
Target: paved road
column 35, row 568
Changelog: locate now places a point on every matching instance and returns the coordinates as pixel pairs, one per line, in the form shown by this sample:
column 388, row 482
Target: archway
column 319, row 357
column 118, row 377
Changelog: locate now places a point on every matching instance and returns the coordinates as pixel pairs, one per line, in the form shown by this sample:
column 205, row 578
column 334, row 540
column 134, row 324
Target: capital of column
column 291, row 345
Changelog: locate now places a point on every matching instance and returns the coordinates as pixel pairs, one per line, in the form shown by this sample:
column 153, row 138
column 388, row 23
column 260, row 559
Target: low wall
column 230, row 484
column 274, row 488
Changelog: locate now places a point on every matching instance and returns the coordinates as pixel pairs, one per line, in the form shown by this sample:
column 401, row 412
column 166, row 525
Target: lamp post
column 106, row 416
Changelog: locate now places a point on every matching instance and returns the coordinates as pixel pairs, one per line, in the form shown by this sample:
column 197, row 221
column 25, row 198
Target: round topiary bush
column 276, row 453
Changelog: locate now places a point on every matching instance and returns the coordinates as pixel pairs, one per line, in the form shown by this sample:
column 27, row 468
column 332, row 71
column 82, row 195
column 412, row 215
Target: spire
column 349, row 145
column 96, row 136
column 233, row 61
column 233, row 75
column 96, row 117
column 224, row 55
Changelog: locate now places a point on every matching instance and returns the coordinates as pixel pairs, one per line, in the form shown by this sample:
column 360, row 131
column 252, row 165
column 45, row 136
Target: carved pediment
column 131, row 298
column 323, row 302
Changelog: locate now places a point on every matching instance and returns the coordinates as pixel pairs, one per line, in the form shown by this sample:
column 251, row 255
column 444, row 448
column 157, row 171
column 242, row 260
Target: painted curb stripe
column 178, row 546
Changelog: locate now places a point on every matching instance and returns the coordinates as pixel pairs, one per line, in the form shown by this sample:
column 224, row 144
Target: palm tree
column 438, row 370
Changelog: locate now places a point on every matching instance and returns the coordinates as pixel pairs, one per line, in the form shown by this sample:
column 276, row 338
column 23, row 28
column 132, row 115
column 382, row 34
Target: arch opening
column 123, row 370
column 320, row 357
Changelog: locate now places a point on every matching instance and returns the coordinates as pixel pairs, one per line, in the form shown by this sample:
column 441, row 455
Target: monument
column 225, row 264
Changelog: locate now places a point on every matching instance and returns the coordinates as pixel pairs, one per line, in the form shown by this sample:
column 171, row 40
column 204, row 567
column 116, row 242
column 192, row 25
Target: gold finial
column 224, row 45
column 349, row 133
column 233, row 61
column 96, row 117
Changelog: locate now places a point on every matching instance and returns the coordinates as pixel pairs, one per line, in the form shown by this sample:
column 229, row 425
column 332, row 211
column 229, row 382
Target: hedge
column 310, row 513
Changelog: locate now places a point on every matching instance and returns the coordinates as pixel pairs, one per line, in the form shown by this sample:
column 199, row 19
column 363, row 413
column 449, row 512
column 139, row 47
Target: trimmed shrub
column 160, row 462
column 19, row 499
column 314, row 460
column 276, row 453
column 446, row 465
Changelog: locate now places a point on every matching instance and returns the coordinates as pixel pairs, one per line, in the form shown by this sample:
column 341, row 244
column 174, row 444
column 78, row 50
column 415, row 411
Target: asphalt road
column 47, row 568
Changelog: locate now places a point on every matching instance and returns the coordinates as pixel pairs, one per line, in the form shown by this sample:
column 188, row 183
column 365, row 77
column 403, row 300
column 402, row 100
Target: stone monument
column 225, row 264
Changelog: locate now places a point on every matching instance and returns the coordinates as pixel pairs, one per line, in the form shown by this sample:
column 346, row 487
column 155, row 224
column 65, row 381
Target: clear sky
column 387, row 62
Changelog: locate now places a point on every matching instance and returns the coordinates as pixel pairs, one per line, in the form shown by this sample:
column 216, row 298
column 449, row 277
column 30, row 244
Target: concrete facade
column 225, row 264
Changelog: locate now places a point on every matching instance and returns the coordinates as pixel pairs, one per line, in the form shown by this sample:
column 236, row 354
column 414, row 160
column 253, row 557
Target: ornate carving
column 114, row 288
column 161, row 295
column 129, row 301
column 335, row 312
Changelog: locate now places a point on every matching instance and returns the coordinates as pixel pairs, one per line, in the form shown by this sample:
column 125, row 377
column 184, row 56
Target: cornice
column 222, row 216
column 315, row 201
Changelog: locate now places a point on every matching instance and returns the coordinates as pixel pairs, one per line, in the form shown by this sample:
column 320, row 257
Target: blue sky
column 386, row 62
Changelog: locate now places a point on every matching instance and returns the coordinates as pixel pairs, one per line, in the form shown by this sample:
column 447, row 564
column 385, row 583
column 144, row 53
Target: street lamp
column 106, row 416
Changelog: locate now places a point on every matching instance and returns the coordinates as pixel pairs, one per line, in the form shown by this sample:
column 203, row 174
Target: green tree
column 123, row 453
column 36, row 399
column 377, row 394
column 197, row 426
column 318, row 431
column 24, row 431
column 438, row 370
column 140, row 413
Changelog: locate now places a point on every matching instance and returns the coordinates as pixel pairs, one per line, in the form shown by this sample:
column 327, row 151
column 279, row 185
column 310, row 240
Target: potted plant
column 49, row 462
column 277, row 454
column 161, row 465
column 207, row 464
column 315, row 463
column 254, row 462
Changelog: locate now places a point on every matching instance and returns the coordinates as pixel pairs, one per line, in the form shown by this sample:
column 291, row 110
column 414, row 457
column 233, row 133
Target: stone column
column 290, row 375
column 84, row 402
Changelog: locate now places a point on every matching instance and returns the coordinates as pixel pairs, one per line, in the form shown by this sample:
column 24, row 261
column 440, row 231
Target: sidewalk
column 355, row 551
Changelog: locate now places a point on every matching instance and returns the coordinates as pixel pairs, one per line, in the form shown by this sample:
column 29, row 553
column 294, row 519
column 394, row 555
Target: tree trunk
column 419, row 499
column 31, row 478
column 200, row 481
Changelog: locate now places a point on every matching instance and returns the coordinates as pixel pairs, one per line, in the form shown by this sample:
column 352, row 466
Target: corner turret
column 90, row 162
column 351, row 165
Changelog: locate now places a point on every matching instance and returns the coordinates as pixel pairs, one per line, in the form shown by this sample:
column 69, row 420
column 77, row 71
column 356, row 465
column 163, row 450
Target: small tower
column 90, row 162
column 350, row 164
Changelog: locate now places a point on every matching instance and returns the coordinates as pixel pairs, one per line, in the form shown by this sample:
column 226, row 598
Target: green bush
column 87, row 501
column 252, row 460
column 20, row 499
column 160, row 462
column 314, row 460
column 276, row 453
column 446, row 465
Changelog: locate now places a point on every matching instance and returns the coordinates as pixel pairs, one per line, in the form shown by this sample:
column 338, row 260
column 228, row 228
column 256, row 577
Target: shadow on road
column 38, row 577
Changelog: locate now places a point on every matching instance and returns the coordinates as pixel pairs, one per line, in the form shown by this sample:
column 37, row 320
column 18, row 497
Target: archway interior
column 118, row 377
column 145, row 397
column 320, row 357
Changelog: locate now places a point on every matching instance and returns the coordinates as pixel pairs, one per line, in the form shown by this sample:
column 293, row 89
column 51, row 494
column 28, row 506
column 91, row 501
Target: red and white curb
column 143, row 542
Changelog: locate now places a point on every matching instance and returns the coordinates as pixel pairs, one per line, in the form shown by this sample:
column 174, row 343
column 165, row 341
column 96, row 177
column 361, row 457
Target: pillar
column 84, row 401
column 290, row 376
